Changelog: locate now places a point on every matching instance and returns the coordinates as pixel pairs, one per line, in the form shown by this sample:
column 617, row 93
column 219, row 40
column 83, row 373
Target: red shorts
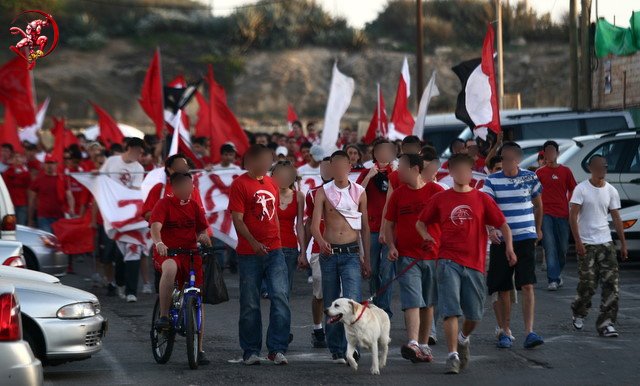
column 182, row 261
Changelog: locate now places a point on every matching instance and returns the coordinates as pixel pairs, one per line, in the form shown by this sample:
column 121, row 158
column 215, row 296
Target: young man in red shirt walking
column 418, row 283
column 252, row 202
column 17, row 178
column 463, row 214
column 557, row 187
column 45, row 197
column 178, row 222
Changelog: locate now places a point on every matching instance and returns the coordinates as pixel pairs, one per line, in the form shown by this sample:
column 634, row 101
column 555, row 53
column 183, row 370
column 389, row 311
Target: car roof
column 450, row 118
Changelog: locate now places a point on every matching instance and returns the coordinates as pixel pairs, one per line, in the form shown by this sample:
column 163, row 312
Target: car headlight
column 77, row 311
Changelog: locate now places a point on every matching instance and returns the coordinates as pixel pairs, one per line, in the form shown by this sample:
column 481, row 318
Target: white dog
column 366, row 326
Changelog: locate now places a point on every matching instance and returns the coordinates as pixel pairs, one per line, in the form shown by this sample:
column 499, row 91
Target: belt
column 345, row 248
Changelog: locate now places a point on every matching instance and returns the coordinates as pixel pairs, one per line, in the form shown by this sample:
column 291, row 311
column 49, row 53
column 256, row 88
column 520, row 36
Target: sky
column 359, row 12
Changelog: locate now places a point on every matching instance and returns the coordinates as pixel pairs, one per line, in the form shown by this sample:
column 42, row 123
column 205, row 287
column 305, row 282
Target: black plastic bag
column 214, row 290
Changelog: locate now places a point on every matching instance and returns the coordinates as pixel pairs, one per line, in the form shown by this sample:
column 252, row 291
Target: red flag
column 75, row 234
column 110, row 133
column 224, row 126
column 16, row 93
column 204, row 116
column 378, row 125
column 151, row 96
column 9, row 131
column 291, row 117
column 401, row 119
column 63, row 138
column 489, row 69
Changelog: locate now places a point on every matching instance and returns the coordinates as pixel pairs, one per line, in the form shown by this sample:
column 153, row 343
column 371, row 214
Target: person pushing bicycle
column 178, row 222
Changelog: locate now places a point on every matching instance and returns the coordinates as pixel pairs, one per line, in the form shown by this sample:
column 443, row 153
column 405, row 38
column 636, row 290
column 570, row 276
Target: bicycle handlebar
column 204, row 251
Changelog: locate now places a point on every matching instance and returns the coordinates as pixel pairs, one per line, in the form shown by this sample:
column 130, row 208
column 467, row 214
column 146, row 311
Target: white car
column 8, row 219
column 530, row 158
column 61, row 323
column 631, row 223
column 622, row 152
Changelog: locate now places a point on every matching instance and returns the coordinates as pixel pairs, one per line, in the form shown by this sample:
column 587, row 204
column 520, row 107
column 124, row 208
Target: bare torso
column 336, row 228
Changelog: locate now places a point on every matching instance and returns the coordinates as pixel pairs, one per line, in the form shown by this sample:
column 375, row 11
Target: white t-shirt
column 230, row 167
column 128, row 174
column 596, row 204
column 308, row 169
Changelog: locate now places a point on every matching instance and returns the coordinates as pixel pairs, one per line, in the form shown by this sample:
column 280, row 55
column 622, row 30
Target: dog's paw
column 353, row 365
column 375, row 371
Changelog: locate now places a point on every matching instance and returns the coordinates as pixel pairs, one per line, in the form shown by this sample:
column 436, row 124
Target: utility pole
column 419, row 50
column 500, row 54
column 585, row 56
column 573, row 52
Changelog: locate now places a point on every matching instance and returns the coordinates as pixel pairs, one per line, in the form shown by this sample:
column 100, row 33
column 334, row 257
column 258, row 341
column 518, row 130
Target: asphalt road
column 568, row 357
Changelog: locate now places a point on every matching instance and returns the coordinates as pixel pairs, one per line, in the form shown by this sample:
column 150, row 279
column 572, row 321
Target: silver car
column 11, row 254
column 41, row 251
column 18, row 366
column 61, row 323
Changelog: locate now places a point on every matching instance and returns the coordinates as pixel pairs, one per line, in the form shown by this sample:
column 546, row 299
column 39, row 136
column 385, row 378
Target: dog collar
column 366, row 305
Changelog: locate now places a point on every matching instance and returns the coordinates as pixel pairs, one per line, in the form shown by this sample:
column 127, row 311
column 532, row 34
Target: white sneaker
column 131, row 298
column 609, row 332
column 553, row 286
column 279, row 359
column 147, row 288
column 578, row 322
column 252, row 360
column 561, row 283
column 120, row 291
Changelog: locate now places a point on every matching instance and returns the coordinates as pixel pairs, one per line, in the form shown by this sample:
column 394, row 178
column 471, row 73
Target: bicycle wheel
column 161, row 341
column 191, row 315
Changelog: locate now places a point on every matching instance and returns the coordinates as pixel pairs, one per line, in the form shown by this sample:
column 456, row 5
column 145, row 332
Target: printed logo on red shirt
column 267, row 201
column 460, row 214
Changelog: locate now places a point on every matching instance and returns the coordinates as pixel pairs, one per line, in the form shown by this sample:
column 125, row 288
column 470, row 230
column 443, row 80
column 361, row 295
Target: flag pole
column 165, row 148
column 378, row 109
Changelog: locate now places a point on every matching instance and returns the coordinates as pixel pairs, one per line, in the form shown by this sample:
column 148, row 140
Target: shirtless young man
column 343, row 206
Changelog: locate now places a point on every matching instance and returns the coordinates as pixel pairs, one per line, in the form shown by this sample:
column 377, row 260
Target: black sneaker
column 433, row 340
column 318, row 338
column 163, row 323
column 202, row 359
column 111, row 290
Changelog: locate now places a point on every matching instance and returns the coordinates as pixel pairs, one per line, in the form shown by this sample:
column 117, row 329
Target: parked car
column 631, row 223
column 18, row 365
column 523, row 125
column 41, row 251
column 622, row 152
column 61, row 323
column 8, row 219
column 11, row 254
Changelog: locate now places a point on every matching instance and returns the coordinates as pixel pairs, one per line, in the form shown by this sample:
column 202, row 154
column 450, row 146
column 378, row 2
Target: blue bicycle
column 185, row 314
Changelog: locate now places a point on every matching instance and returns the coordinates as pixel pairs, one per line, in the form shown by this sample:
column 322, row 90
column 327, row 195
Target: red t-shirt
column 34, row 164
column 80, row 194
column 181, row 222
column 310, row 201
column 394, row 179
column 463, row 218
column 376, row 199
column 49, row 203
column 17, row 180
column 287, row 218
column 404, row 208
column 557, row 187
column 257, row 200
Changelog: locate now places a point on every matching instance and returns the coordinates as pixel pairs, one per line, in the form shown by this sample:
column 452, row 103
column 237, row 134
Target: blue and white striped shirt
column 513, row 196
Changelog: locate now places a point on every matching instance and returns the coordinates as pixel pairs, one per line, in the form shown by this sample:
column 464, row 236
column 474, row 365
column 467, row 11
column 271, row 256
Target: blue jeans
column 21, row 215
column 291, row 258
column 44, row 223
column 251, row 269
column 382, row 272
column 555, row 241
column 339, row 269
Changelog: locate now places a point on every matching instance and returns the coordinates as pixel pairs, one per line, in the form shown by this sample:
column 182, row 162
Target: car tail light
column 628, row 223
column 10, row 328
column 15, row 261
column 50, row 241
column 9, row 223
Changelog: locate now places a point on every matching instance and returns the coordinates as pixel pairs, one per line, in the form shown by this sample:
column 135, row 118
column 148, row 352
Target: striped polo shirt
column 513, row 195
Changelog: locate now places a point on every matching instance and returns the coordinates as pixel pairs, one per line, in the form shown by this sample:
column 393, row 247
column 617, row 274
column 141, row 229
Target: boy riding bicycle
column 177, row 222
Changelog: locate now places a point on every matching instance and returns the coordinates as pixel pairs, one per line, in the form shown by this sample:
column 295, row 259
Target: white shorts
column 316, row 275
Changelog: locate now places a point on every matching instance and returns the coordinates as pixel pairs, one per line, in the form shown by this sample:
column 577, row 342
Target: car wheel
column 32, row 335
column 31, row 260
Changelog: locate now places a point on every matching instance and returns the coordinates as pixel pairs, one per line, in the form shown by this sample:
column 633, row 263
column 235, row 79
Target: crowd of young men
column 394, row 221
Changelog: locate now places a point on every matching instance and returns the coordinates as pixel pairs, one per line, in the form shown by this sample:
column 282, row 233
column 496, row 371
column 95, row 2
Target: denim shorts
column 418, row 284
column 461, row 291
